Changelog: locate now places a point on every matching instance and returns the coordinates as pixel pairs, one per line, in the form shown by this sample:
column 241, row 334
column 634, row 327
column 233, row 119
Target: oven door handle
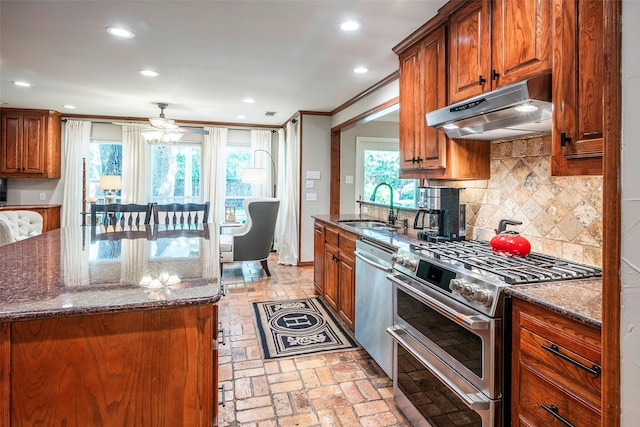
column 474, row 322
column 474, row 401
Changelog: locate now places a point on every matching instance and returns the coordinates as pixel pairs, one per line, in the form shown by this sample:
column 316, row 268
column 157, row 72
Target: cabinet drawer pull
column 494, row 74
column 553, row 410
column 481, row 80
column 595, row 370
column 221, row 337
column 222, row 401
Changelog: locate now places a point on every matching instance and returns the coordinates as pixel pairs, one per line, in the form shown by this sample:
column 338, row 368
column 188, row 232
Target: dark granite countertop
column 72, row 271
column 580, row 300
column 394, row 239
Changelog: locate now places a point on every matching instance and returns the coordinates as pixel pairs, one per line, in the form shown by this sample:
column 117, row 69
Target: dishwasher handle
column 385, row 268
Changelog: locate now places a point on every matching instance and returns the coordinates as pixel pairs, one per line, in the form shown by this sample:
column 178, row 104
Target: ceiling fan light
column 151, row 134
column 172, row 137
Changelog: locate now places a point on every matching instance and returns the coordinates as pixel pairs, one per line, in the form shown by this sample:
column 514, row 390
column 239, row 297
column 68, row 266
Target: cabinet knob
column 494, row 74
column 481, row 80
column 564, row 139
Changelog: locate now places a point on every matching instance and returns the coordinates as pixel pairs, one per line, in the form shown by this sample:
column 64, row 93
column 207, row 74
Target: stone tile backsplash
column 561, row 216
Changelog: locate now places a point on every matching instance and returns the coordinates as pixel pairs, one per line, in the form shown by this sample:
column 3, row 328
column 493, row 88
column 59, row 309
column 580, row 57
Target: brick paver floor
column 345, row 388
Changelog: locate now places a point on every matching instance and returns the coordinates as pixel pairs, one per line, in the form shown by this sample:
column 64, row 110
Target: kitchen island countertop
column 580, row 300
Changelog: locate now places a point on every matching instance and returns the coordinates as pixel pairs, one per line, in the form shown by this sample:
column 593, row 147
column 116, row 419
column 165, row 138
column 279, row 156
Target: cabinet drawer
column 545, row 403
column 331, row 236
column 560, row 363
column 347, row 243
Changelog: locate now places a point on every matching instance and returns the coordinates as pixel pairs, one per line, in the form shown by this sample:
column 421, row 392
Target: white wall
column 380, row 96
column 630, row 177
column 348, row 157
column 315, row 152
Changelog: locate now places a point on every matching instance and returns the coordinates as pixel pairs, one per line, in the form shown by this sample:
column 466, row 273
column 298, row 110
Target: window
column 175, row 173
column 174, row 170
column 105, row 158
column 378, row 160
column 238, row 158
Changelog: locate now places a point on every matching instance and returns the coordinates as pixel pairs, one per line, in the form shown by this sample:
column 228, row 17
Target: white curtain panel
column 214, row 171
column 261, row 140
column 134, row 166
column 77, row 135
column 281, row 180
column 288, row 251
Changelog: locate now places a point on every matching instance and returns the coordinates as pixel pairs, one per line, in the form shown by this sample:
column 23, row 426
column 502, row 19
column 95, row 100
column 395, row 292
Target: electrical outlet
column 43, row 196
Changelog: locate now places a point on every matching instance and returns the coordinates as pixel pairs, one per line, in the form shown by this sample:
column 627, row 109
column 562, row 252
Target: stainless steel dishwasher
column 374, row 307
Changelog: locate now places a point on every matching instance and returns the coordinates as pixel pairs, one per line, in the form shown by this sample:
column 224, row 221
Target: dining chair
column 120, row 215
column 180, row 213
column 252, row 241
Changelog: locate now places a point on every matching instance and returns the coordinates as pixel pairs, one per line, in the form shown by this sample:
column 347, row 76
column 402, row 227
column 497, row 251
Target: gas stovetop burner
column 478, row 257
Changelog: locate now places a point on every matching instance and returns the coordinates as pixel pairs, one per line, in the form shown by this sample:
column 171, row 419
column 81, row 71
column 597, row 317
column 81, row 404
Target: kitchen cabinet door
column 331, row 275
column 347, row 289
column 578, row 73
column 318, row 258
column 520, row 40
column 30, row 146
column 412, row 120
column 469, row 55
column 423, row 83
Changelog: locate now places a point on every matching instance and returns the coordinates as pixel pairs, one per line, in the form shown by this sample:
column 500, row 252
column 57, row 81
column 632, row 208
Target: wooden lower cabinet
column 339, row 272
column 138, row 368
column 318, row 258
column 555, row 369
column 50, row 214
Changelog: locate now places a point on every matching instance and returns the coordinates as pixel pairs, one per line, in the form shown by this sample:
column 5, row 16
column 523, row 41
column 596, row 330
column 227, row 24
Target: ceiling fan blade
column 198, row 131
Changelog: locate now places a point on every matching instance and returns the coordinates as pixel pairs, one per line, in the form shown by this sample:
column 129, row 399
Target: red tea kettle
column 509, row 242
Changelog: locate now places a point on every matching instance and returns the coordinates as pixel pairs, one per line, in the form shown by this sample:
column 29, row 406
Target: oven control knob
column 483, row 296
column 411, row 263
column 456, row 284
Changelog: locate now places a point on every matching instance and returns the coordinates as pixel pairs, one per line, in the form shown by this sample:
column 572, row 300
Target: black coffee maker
column 440, row 216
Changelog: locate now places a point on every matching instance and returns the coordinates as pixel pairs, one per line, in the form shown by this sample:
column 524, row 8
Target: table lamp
column 110, row 183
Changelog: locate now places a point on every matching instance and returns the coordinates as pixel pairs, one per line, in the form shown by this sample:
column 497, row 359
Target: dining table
column 104, row 327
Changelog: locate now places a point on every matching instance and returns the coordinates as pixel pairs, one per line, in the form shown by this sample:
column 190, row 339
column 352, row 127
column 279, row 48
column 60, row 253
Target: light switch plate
column 348, row 179
column 313, row 174
column 311, row 183
column 312, row 197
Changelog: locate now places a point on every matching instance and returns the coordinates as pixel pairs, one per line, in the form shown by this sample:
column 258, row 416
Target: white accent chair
column 19, row 225
column 252, row 241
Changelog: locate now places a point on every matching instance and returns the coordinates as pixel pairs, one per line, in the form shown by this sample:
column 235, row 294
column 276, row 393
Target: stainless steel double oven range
column 449, row 365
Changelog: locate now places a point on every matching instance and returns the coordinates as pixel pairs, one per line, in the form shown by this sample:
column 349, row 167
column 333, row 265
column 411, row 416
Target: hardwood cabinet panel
column 469, row 51
column 578, row 73
column 347, row 299
column 520, row 40
column 148, row 367
column 31, row 144
column 556, row 363
column 318, row 258
column 5, row 377
column 331, row 275
column 410, row 114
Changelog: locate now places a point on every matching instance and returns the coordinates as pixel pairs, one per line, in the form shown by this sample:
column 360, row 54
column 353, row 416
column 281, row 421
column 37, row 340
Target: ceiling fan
column 161, row 129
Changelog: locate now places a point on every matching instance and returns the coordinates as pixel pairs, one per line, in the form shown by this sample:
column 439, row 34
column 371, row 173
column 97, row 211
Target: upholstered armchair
column 252, row 241
column 19, row 225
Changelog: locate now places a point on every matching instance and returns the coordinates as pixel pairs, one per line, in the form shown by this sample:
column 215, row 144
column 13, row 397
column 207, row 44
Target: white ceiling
column 289, row 55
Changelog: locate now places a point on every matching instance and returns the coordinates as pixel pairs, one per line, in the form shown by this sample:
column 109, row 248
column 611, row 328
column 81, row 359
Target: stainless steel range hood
column 518, row 109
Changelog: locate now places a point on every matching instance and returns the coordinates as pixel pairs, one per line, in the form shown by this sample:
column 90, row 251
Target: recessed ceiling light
column 21, row 83
column 149, row 73
column 360, row 70
column 249, row 100
column 120, row 32
column 350, row 25
column 240, row 116
column 70, row 107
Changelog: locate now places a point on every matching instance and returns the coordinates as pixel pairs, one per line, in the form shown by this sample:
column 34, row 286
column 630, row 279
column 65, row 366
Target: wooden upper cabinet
column 517, row 46
column 30, row 146
column 578, row 73
column 423, row 85
column 411, row 117
column 520, row 40
column 469, row 51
